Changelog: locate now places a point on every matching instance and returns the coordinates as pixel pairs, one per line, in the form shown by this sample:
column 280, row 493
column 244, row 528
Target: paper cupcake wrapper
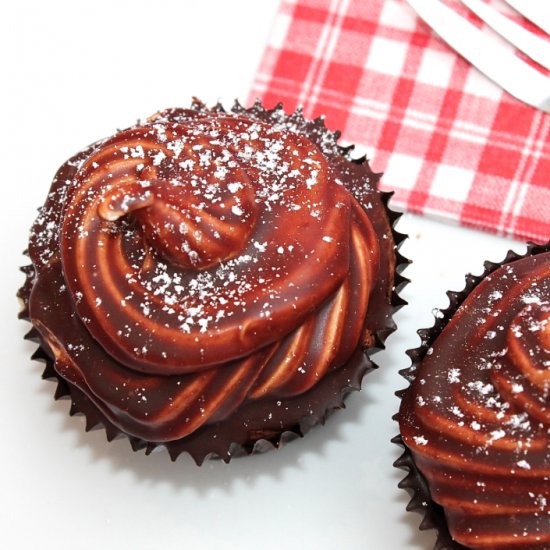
column 433, row 515
column 218, row 444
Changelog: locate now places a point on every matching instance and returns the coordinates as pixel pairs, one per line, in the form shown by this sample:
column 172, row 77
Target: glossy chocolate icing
column 209, row 263
column 476, row 417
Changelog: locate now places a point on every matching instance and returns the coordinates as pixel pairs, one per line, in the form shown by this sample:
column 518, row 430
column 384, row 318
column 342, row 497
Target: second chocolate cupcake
column 475, row 421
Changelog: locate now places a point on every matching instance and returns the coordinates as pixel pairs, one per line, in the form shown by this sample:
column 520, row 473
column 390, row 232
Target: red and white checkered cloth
column 451, row 143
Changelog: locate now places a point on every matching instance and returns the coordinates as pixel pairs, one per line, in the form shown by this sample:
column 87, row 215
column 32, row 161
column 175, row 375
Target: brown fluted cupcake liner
column 238, row 435
column 433, row 515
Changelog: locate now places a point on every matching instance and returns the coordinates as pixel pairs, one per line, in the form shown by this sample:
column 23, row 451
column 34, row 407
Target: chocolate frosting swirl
column 201, row 261
column 477, row 416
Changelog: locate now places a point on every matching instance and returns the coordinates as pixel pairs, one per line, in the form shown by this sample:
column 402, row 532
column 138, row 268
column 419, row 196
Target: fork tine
column 533, row 46
column 537, row 12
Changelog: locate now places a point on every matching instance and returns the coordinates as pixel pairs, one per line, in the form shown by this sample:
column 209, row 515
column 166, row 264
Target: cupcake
column 475, row 420
column 212, row 281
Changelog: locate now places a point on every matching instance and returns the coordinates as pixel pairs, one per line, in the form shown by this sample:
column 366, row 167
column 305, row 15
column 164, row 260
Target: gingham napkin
column 451, row 143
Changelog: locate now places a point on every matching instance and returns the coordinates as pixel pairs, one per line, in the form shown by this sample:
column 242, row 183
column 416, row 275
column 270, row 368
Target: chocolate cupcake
column 210, row 281
column 475, row 420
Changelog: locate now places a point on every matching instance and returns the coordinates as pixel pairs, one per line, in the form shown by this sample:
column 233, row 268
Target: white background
column 73, row 72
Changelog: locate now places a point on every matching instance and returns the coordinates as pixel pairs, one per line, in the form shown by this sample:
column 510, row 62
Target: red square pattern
column 395, row 104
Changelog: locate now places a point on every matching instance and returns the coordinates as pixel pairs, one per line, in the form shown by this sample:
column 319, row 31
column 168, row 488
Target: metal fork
column 496, row 61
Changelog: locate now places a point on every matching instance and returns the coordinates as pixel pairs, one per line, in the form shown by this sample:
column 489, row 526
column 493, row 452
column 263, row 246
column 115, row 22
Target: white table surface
column 75, row 72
